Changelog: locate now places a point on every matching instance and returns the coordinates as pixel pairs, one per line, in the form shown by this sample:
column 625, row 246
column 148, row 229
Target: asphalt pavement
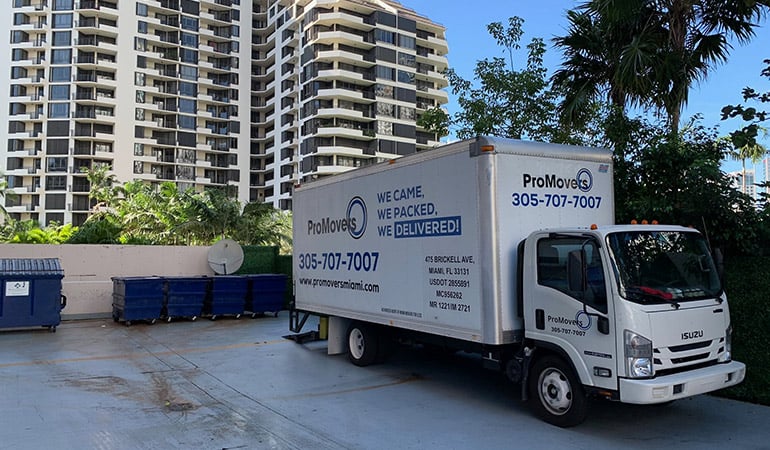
column 238, row 384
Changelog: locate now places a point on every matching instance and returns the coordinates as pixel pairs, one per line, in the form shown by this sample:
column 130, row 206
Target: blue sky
column 469, row 41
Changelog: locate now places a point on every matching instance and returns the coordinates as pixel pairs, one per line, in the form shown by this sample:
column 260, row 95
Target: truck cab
column 633, row 313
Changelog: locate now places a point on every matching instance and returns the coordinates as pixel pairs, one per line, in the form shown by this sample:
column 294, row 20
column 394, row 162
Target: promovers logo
column 582, row 181
column 354, row 221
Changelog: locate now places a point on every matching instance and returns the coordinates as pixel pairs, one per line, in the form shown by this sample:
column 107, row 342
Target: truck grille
column 678, row 357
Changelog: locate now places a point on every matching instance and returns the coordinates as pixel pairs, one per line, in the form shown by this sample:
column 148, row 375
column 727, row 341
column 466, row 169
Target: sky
column 469, row 41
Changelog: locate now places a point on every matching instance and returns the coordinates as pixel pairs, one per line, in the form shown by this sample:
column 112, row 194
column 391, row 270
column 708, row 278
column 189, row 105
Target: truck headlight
column 727, row 356
column 638, row 352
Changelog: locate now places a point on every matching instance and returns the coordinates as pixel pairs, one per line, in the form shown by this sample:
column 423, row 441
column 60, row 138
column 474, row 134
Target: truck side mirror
column 576, row 270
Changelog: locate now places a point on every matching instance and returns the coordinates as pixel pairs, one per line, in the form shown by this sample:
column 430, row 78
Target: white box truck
column 509, row 249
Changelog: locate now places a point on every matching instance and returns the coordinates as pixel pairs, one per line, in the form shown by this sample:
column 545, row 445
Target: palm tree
column 747, row 149
column 649, row 53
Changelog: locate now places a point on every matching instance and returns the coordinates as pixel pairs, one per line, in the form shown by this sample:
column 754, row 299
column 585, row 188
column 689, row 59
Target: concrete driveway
column 230, row 384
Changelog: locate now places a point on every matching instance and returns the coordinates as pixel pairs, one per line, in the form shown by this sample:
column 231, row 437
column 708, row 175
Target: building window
column 140, row 96
column 188, row 56
column 138, row 167
column 62, row 38
column 385, row 36
column 188, row 89
column 18, row 72
column 56, row 183
column 18, row 90
column 138, row 149
column 384, row 127
column 188, row 106
column 58, row 110
column 405, row 77
column 189, row 23
column 141, row 10
column 140, row 44
column 386, row 73
column 19, row 54
column 20, row 19
column 138, row 79
column 60, row 74
column 61, row 56
column 18, row 36
column 406, row 113
column 405, row 59
column 139, row 114
column 62, row 21
column 189, row 40
column 383, row 90
column 57, row 164
column 141, row 27
column 62, row 5
column 406, row 42
column 187, row 122
column 188, row 73
column 385, row 109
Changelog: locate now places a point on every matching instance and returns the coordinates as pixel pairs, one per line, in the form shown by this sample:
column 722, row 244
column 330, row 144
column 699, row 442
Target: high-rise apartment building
column 257, row 95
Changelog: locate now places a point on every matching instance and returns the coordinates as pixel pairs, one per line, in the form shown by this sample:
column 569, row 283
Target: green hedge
column 259, row 259
column 747, row 283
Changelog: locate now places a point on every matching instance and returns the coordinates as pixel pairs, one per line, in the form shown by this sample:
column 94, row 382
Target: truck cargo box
column 429, row 242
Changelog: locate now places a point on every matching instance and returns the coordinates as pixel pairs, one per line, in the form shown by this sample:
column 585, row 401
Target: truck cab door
column 573, row 315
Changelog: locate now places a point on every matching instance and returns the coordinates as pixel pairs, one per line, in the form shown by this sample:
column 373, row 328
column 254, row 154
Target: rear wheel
column 556, row 393
column 363, row 344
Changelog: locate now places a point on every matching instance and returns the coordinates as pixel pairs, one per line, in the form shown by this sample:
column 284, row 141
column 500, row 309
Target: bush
column 747, row 283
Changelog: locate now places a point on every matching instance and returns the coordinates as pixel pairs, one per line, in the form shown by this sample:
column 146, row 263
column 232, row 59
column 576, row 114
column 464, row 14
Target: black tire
column 363, row 344
column 556, row 394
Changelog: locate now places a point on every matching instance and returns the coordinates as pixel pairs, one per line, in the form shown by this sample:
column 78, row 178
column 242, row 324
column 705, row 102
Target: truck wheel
column 556, row 394
column 362, row 344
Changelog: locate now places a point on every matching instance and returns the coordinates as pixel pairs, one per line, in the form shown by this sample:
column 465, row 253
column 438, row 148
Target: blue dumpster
column 30, row 293
column 185, row 297
column 227, row 295
column 266, row 293
column 137, row 298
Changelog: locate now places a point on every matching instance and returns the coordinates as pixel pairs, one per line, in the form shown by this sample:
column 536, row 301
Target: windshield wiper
column 645, row 292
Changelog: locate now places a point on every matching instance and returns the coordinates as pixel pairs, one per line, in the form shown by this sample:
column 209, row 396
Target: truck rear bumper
column 686, row 384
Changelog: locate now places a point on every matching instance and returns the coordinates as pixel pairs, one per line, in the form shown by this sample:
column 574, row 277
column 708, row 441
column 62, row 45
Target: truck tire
column 363, row 344
column 556, row 393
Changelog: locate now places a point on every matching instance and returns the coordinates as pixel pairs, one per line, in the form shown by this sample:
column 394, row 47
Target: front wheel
column 556, row 394
column 363, row 344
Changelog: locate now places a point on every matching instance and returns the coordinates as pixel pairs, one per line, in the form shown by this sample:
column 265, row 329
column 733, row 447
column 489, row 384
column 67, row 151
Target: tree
column 435, row 120
column 649, row 53
column 509, row 102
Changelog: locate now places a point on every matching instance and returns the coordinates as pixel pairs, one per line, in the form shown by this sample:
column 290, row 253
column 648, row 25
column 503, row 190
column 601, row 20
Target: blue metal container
column 137, row 298
column 185, row 297
column 266, row 293
column 30, row 293
column 227, row 295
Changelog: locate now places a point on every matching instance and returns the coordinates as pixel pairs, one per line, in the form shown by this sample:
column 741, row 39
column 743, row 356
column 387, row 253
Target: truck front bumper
column 680, row 385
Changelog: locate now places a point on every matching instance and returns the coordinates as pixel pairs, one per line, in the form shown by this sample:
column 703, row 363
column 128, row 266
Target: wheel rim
column 356, row 343
column 555, row 391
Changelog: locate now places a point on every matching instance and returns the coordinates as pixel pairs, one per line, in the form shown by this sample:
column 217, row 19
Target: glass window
column 385, row 36
column 553, row 255
column 141, row 27
column 187, row 122
column 18, row 90
column 189, row 56
column 62, row 5
column 58, row 110
column 188, row 72
column 140, row 96
column 18, row 36
column 139, row 114
column 141, row 10
column 140, row 44
column 189, row 23
column 188, row 89
column 61, row 56
column 138, row 79
column 61, row 74
column 405, row 77
column 387, row 73
column 138, row 149
column 188, row 106
column 406, row 59
column 189, row 40
column 406, row 113
column 62, row 38
column 62, row 21
column 20, row 19
column 18, row 72
column 19, row 54
column 406, row 41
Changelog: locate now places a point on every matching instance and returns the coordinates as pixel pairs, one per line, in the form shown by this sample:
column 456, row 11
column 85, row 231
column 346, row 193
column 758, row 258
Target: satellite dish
column 225, row 257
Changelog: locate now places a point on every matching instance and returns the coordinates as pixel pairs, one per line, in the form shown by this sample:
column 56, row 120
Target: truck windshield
column 663, row 266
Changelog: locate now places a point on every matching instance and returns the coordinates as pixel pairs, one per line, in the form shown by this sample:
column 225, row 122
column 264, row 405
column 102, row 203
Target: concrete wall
column 88, row 269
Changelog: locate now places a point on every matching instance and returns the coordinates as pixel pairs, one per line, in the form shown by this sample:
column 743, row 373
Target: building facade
column 254, row 95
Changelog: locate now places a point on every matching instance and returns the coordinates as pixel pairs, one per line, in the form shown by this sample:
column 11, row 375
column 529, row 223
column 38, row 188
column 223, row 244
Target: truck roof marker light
column 644, row 222
column 391, row 161
column 594, row 226
column 634, row 222
column 655, row 222
column 487, row 148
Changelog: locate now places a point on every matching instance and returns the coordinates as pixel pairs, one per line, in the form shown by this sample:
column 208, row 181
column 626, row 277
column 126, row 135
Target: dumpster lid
column 30, row 266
